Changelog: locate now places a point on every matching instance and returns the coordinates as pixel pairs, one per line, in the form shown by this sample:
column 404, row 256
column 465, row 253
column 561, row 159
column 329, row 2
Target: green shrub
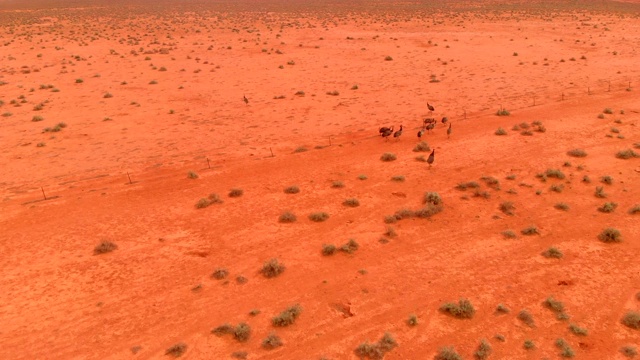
column 287, row 317
column 484, row 350
column 509, row 234
column 104, row 247
column 608, row 207
column 531, row 230
column 526, row 318
column 629, row 351
column 220, row 274
column 561, row 206
column 272, row 268
column 632, row 319
column 422, row 146
column 352, row 202
column 552, row 253
column 350, row 247
column 503, row 112
column 176, row 350
column 272, row 341
column 557, row 188
column 462, row 310
column 390, row 219
column 502, row 309
column 491, row 182
column 466, row 185
column 223, row 330
column 236, row 192
column 600, row 192
column 634, row 210
column 607, row 180
column 292, row 190
column 337, row 184
column 328, row 249
column 610, row 235
column 388, row 157
column 554, row 305
column 398, row 178
column 432, row 198
column 287, row 217
column 627, row 154
column 447, row 353
column 507, row 207
column 362, row 177
column 37, row 118
column 578, row 330
column 554, row 173
column 501, row 131
column 529, row 344
column 376, row 350
column 608, row 111
column 318, row 216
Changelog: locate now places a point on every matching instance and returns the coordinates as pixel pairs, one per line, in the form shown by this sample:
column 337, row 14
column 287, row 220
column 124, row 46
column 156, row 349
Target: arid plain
column 127, row 116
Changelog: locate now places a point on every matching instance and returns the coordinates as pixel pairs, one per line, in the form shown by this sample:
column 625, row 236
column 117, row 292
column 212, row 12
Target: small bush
column 610, row 235
column 236, row 192
column 552, row 253
column 509, row 234
column 376, row 350
column 561, row 206
column 491, row 182
column 422, row 146
column 578, row 330
column 223, row 330
column 554, row 305
column 554, row 173
column 629, row 351
column 466, row 185
column 503, row 112
column 432, row 198
column 412, row 320
column 531, row 230
column 398, row 178
column 292, row 190
column 507, row 207
column 203, row 203
column 287, row 217
column 272, row 268
column 428, row 211
column 37, row 118
column 337, row 184
column 287, row 317
column 529, row 344
column 526, row 318
column 328, row 249
column 352, row 202
column 484, row 350
column 608, row 111
column 272, row 341
column 632, row 320
column 192, row 175
column 104, row 247
column 220, row 274
column 391, row 232
column 388, row 58
column 607, row 180
column 608, row 207
column 627, row 154
column 447, row 353
column 501, row 131
column 634, row 210
column 176, row 350
column 404, row 214
column 350, row 247
column 388, row 157
column 107, row 95
column 300, row 149
column 600, row 192
column 462, row 310
column 390, row 219
column 502, row 309
column 362, row 177
column 600, row 116
column 318, row 216
column 482, row 194
column 556, row 188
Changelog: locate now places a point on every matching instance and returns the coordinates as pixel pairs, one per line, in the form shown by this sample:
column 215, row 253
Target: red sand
column 59, row 301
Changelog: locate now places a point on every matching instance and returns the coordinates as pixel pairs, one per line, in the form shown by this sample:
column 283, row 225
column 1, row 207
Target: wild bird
column 431, row 108
column 431, row 158
column 428, row 121
column 449, row 131
column 387, row 133
column 421, row 132
column 431, row 126
column 398, row 133
column 444, row 120
column 383, row 130
column 244, row 98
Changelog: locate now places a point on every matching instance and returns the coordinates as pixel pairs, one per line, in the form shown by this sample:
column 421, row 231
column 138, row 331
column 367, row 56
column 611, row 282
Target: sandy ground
column 157, row 91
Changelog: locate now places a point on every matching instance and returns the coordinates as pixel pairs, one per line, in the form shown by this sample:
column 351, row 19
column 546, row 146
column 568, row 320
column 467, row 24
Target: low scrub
column 608, row 207
column 235, row 192
column 578, row 330
column 462, row 310
column 552, row 253
column 376, row 350
column 561, row 206
column 328, row 249
column 422, row 146
column 627, row 154
column 500, row 131
column 287, row 217
column 531, row 230
column 291, row 190
column 447, row 353
column 610, row 235
column 632, row 319
column 272, row 268
column 176, row 350
column 287, row 317
column 388, row 157
column 579, row 153
column 467, row 185
column 507, row 207
column 104, row 247
column 350, row 247
column 272, row 341
column 318, row 216
column 526, row 318
column 483, row 351
column 509, row 234
column 352, row 202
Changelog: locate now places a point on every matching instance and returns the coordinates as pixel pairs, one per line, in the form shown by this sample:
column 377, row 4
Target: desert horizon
column 214, row 180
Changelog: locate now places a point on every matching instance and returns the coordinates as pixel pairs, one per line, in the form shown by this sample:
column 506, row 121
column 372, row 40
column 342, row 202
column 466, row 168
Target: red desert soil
column 155, row 90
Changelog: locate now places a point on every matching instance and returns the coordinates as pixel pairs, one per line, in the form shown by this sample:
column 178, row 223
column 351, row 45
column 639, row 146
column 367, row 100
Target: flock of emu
column 427, row 125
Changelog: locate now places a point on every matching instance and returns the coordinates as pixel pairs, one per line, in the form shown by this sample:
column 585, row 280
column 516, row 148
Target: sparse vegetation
column 287, row 217
column 554, row 305
column 192, row 175
column 467, row 185
column 502, row 309
column 287, row 317
column 526, row 318
column 422, row 146
column 627, row 154
column 507, row 207
column 531, row 230
column 503, row 112
column 610, row 235
column 629, row 351
column 501, row 131
column 376, row 350
column 432, row 198
column 176, row 350
column 328, row 249
column 462, row 310
column 447, row 353
column 600, row 192
column 350, row 247
column 220, row 274
column 484, row 350
column 632, row 320
column 561, row 206
column 291, row 190
column 607, row 180
column 104, row 247
column 235, row 192
column 318, row 216
column 578, row 330
column 337, row 184
column 608, row 207
column 412, row 320
column 388, row 157
column 529, row 344
column 272, row 268
column 509, row 234
column 635, row 210
column 272, row 341
column 552, row 253
column 556, row 188
column 352, row 202
column 362, row 177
